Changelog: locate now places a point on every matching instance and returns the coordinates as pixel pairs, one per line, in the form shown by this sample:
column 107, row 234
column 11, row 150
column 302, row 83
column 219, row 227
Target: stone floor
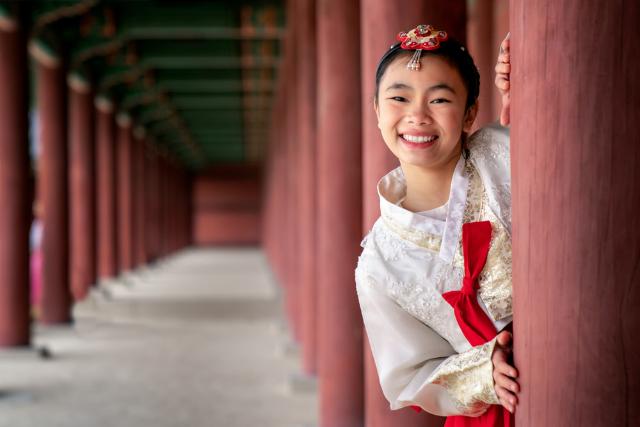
column 197, row 340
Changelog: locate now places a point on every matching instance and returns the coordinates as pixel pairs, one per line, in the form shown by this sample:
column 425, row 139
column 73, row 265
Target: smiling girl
column 434, row 277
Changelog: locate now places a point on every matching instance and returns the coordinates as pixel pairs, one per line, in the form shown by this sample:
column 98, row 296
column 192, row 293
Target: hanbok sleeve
column 417, row 367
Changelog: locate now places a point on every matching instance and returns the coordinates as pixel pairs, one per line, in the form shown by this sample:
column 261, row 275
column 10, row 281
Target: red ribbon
column 474, row 322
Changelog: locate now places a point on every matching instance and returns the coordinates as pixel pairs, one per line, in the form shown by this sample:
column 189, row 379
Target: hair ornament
column 423, row 37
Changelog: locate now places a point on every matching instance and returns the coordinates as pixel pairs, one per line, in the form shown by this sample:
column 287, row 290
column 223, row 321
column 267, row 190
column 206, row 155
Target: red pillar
column 156, row 207
column 164, row 206
column 124, row 193
column 14, row 187
column 139, row 199
column 52, row 106
column 339, row 214
column 306, row 161
column 150, row 195
column 82, row 247
column 482, row 47
column 291, row 214
column 381, row 21
column 107, row 261
column 576, row 197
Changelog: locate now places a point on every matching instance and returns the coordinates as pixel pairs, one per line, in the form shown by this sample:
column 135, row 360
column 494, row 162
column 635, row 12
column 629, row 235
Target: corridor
column 196, row 340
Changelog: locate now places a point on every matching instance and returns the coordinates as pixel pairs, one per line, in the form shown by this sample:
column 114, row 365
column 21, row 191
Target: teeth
column 419, row 139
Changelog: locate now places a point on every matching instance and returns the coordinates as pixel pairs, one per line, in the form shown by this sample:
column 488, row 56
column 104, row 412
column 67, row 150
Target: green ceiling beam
column 208, row 62
column 216, row 86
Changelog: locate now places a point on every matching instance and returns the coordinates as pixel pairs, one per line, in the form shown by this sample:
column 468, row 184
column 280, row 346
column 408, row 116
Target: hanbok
column 435, row 288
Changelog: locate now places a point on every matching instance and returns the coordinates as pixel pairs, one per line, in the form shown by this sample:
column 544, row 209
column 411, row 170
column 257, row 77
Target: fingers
column 506, row 381
column 504, row 338
column 503, row 68
column 504, row 58
column 507, row 399
column 504, row 374
column 502, row 83
column 505, row 113
column 506, row 387
column 506, row 43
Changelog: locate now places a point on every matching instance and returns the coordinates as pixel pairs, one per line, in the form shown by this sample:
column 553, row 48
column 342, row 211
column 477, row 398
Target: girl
column 434, row 277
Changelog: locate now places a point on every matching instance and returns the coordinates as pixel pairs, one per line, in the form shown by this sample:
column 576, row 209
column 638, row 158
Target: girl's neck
column 428, row 188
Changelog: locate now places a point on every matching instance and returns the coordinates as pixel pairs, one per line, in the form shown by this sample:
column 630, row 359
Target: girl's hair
column 453, row 52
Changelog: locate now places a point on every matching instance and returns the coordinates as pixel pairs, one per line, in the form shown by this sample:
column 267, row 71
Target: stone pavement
column 197, row 340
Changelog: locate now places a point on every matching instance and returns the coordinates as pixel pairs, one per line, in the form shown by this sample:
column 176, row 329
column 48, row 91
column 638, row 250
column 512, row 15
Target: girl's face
column 421, row 114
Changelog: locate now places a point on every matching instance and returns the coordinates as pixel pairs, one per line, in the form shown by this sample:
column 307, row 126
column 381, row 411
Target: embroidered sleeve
column 468, row 377
column 416, row 366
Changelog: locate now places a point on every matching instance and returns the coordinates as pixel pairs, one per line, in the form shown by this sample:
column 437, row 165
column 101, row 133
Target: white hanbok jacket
column 410, row 259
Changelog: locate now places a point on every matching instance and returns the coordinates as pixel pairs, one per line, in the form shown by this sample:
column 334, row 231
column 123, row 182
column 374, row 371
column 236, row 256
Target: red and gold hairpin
column 423, row 37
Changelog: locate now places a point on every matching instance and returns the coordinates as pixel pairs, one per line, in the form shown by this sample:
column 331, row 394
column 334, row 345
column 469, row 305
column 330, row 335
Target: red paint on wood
column 52, row 113
column 106, row 211
column 306, row 161
column 576, row 198
column 14, row 192
column 124, row 197
column 339, row 175
column 481, row 43
column 82, row 250
column 139, row 205
column 226, row 211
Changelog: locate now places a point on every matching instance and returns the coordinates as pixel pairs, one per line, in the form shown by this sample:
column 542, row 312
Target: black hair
column 453, row 52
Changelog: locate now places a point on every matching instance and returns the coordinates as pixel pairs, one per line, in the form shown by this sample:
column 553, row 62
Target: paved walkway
column 196, row 341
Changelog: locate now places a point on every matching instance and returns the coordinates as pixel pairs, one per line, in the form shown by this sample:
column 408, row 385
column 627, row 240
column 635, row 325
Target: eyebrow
column 439, row 86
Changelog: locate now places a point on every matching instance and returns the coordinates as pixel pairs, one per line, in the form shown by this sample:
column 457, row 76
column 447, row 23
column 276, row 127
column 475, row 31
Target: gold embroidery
column 468, row 377
column 495, row 281
column 418, row 237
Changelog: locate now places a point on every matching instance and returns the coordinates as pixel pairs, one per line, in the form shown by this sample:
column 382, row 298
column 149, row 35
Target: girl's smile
column 422, row 114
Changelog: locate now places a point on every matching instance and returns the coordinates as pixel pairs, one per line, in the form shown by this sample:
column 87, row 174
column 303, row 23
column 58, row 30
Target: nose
column 419, row 114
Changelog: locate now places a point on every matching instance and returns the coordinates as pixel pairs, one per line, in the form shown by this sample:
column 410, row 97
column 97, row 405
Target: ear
column 376, row 108
column 470, row 117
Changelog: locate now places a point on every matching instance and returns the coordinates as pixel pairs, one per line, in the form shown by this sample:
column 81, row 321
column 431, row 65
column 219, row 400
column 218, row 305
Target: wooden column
column 339, row 214
column 139, row 198
column 291, row 268
column 15, row 194
column 124, row 193
column 82, row 210
column 576, row 198
column 483, row 49
column 52, row 112
column 306, row 161
column 150, row 201
column 106, row 212
column 381, row 22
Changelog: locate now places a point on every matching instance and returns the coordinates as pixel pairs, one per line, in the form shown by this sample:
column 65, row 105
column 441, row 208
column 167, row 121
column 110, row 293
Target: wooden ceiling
column 198, row 75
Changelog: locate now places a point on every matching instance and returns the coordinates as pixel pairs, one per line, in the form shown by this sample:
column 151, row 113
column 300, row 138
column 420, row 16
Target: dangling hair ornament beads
column 423, row 37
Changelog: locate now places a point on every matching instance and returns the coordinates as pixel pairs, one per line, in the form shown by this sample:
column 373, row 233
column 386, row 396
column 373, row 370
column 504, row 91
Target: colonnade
column 112, row 200
column 326, row 157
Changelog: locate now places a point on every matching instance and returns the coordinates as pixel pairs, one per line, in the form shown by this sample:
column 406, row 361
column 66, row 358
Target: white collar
column 392, row 188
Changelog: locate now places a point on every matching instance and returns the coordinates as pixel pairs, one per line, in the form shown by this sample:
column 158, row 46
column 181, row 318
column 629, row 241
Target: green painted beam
column 216, row 86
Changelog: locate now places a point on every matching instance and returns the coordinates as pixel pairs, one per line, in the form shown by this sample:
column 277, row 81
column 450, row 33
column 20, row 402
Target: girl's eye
column 439, row 101
column 398, row 98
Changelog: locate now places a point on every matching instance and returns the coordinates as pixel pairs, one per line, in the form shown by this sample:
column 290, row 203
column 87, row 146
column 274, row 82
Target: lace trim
column 421, row 238
column 495, row 281
column 468, row 377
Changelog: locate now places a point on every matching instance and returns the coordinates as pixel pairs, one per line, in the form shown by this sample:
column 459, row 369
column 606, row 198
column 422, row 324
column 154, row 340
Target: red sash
column 473, row 321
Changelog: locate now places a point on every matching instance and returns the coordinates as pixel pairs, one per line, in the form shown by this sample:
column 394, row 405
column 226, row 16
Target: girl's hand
column 504, row 374
column 503, row 71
